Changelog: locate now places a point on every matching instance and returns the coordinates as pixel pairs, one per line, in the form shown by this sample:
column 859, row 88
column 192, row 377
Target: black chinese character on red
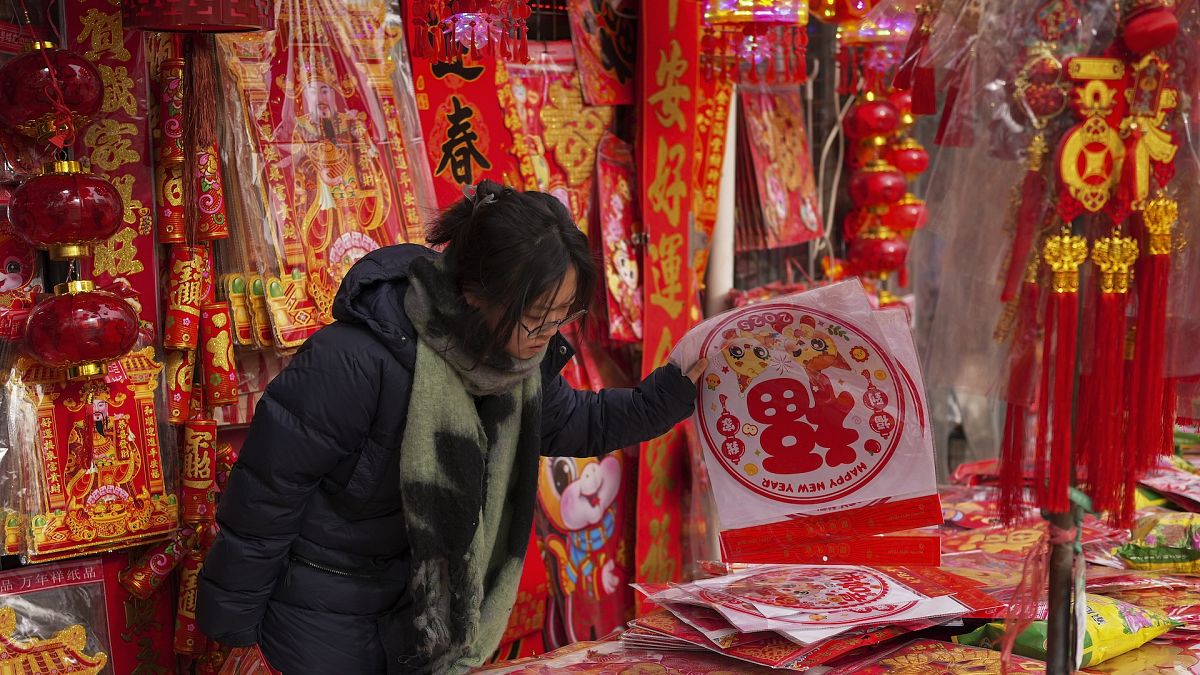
column 459, row 153
column 442, row 70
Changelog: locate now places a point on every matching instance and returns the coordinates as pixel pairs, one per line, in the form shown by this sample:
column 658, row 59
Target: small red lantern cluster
column 884, row 161
column 48, row 94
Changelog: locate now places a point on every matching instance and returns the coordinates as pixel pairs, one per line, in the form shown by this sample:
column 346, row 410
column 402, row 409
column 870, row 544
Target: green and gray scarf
column 468, row 473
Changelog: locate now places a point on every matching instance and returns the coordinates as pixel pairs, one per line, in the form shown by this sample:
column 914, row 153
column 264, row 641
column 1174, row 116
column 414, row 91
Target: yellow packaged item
column 1168, row 541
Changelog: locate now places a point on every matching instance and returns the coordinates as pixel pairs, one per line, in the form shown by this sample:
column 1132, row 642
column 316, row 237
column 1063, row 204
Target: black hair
column 510, row 248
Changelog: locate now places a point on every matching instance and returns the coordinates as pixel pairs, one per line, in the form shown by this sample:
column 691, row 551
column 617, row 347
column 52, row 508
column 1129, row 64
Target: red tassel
column 1147, row 436
column 1043, row 406
column 1020, row 397
column 924, row 91
column 1029, row 215
column 1064, row 254
column 1106, row 449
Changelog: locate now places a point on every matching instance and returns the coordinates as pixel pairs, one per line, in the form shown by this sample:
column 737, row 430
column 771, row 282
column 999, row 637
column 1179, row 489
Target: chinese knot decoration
column 742, row 37
column 452, row 27
column 188, row 16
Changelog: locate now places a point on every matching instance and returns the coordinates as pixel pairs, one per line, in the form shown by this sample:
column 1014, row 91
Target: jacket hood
column 372, row 294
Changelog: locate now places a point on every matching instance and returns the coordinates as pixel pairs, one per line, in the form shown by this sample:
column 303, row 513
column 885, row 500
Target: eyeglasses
column 551, row 327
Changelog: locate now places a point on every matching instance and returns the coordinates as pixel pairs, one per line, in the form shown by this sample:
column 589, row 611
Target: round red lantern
column 902, row 101
column 910, row 157
column 870, row 117
column 66, row 210
column 879, row 250
column 1149, row 25
column 188, row 16
column 80, row 328
column 906, row 215
column 877, row 184
column 44, row 87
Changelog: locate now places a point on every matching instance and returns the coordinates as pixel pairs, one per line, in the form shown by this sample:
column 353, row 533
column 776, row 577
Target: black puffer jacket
column 312, row 554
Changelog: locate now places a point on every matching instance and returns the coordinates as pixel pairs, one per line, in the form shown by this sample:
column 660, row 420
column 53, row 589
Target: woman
column 378, row 517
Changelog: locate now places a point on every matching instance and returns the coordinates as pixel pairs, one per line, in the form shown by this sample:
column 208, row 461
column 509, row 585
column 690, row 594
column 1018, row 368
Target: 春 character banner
column 812, row 408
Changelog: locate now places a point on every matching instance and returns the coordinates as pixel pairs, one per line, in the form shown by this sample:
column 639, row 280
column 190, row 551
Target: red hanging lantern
column 902, row 100
column 907, row 215
column 1148, row 25
column 189, row 16
column 80, row 328
column 841, row 11
column 48, row 92
column 66, row 210
column 909, row 156
column 878, row 250
column 872, row 117
column 877, row 184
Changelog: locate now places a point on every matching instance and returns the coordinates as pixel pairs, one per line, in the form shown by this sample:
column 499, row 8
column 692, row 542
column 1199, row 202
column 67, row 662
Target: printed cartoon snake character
column 747, row 354
column 816, row 352
column 578, row 498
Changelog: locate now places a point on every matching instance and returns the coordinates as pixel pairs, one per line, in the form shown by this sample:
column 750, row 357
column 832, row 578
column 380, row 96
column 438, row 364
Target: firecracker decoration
column 185, row 288
column 49, row 93
column 1063, row 253
column 203, row 186
column 149, row 569
column 452, row 27
column 199, row 472
column 189, row 639
column 217, row 355
column 169, row 169
column 181, row 368
column 66, row 210
column 754, row 40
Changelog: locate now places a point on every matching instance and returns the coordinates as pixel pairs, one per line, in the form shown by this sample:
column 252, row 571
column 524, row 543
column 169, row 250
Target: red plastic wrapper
column 149, row 569
column 198, row 473
column 247, row 661
column 185, row 288
column 181, row 368
column 220, row 368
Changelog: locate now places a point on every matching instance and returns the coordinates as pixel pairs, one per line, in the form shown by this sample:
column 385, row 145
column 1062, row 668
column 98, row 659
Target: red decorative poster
column 670, row 39
column 783, row 168
column 812, row 406
column 97, row 482
column 619, row 229
column 324, row 125
column 554, row 133
column 605, row 40
column 116, row 144
column 712, row 122
column 462, row 110
column 583, row 521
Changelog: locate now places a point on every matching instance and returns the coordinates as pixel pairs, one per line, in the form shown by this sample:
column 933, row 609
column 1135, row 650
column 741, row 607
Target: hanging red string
column 1020, row 399
column 1029, row 214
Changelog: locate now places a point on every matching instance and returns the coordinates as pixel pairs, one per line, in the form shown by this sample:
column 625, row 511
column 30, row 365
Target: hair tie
column 471, row 194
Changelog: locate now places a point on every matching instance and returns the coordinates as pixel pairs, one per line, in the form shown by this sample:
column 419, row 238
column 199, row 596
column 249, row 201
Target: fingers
column 697, row 370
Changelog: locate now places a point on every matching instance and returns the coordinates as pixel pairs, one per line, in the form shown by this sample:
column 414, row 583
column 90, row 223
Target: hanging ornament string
column 63, row 122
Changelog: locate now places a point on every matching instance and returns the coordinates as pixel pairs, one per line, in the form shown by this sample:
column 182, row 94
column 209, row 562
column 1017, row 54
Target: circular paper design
column 819, row 595
column 825, row 401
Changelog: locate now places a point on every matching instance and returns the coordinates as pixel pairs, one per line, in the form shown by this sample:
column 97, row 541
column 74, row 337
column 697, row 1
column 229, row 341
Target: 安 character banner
column 812, row 420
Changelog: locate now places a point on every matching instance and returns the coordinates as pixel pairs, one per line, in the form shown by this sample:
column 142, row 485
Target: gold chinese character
column 667, row 190
column 666, row 263
column 659, row 565
column 671, row 91
column 118, row 91
column 118, row 255
column 105, row 33
column 136, row 213
column 107, row 145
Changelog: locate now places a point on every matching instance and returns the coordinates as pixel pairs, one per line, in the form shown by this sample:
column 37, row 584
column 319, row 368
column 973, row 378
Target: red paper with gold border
column 604, row 34
column 670, row 37
column 117, row 145
column 461, row 106
column 783, row 167
column 113, row 493
column 318, row 98
column 546, row 114
column 930, row 656
column 619, row 229
column 143, row 629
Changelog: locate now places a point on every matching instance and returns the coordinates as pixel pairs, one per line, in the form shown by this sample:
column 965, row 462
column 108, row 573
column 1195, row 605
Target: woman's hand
column 697, row 370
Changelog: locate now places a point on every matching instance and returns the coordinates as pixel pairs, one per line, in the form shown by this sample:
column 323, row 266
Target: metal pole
column 1060, row 633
